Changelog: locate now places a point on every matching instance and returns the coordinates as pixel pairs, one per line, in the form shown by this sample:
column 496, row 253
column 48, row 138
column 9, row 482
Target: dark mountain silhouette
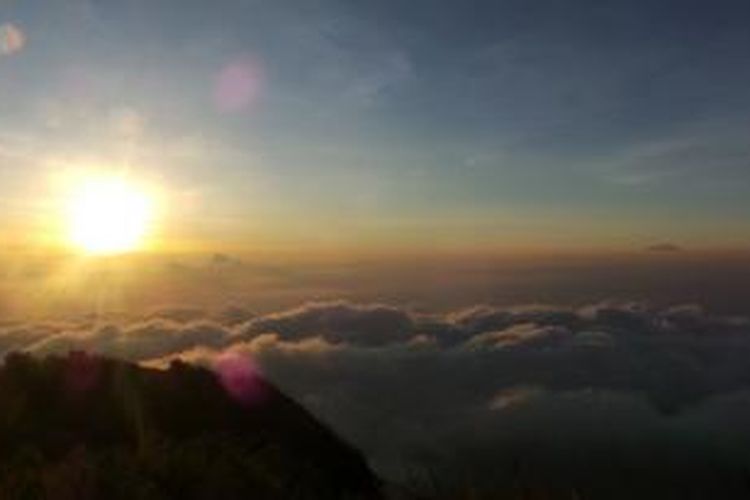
column 84, row 427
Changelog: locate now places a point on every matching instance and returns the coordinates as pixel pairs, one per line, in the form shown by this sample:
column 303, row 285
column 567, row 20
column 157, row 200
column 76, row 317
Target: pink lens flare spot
column 12, row 39
column 238, row 85
column 240, row 377
column 82, row 372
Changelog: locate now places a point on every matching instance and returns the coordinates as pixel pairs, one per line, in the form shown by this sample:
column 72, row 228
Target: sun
column 108, row 215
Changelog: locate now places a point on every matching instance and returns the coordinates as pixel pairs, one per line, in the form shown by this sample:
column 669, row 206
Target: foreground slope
column 88, row 427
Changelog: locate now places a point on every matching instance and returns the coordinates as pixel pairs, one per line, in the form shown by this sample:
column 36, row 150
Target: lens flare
column 238, row 85
column 12, row 39
column 240, row 378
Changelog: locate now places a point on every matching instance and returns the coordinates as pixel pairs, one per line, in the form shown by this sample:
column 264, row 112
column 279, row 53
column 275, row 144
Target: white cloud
column 391, row 380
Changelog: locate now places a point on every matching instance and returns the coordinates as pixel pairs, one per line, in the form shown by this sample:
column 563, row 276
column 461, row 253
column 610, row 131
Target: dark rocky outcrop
column 87, row 427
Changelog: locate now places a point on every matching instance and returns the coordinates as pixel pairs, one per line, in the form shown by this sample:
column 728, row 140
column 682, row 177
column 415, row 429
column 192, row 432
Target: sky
column 386, row 125
column 507, row 227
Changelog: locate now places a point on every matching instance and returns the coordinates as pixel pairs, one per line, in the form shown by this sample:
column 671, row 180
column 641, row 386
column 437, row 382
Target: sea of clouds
column 551, row 386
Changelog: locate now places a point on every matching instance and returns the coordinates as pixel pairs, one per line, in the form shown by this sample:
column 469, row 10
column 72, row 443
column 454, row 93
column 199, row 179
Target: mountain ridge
column 83, row 426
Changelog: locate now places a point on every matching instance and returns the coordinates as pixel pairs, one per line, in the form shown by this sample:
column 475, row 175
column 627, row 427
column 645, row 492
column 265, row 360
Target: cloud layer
column 396, row 382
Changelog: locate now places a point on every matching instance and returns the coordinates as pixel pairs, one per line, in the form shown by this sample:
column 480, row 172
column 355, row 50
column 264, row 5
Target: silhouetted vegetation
column 84, row 427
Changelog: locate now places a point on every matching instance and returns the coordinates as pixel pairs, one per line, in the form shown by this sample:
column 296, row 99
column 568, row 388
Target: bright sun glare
column 108, row 215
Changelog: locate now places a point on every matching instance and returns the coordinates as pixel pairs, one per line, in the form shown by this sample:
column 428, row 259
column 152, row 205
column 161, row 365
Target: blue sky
column 426, row 123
